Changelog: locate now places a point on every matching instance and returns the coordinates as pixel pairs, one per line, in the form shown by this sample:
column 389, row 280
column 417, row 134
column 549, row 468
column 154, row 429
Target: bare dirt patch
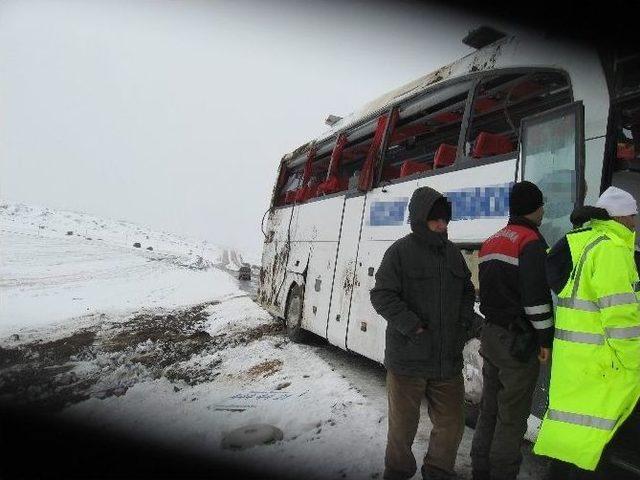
column 250, row 335
column 108, row 359
column 35, row 374
column 157, row 341
column 10, row 357
column 208, row 370
column 60, row 351
column 264, row 369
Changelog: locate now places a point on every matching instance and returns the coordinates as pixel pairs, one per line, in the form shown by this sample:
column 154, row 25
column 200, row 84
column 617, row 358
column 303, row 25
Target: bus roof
column 482, row 59
column 524, row 50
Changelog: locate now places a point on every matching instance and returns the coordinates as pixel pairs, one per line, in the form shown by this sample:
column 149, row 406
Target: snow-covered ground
column 165, row 345
column 60, row 265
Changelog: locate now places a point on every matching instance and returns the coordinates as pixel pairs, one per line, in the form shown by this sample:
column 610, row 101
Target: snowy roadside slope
column 330, row 429
column 48, row 276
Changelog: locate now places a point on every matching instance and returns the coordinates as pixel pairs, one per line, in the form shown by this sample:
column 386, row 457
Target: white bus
column 559, row 115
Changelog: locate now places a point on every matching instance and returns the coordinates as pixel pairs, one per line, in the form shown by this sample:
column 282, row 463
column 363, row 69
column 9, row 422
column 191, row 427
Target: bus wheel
column 293, row 315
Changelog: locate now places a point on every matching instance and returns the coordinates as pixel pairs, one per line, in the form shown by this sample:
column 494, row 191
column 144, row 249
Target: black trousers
column 507, row 391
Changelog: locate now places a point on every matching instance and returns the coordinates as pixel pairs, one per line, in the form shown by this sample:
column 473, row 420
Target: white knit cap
column 617, row 202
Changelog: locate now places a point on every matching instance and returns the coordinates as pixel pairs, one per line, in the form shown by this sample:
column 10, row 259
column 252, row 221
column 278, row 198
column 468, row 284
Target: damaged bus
column 517, row 108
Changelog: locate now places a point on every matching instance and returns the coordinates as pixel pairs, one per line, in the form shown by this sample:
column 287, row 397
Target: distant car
column 244, row 273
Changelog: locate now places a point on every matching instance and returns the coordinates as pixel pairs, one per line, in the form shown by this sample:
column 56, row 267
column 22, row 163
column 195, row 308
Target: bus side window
column 350, row 160
column 353, row 158
column 286, row 195
column 500, row 104
column 309, row 189
column 300, row 182
column 425, row 134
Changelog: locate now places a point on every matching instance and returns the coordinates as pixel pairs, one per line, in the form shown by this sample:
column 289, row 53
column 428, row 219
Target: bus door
column 552, row 157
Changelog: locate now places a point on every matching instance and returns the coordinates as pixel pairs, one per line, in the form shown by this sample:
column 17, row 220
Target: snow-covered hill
column 50, row 223
column 56, row 265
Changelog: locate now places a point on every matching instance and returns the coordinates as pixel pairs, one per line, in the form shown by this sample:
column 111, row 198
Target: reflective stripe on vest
column 604, row 302
column 577, row 304
column 583, row 259
column 579, row 337
column 572, row 301
column 623, row 332
column 618, row 299
column 583, row 420
column 617, row 333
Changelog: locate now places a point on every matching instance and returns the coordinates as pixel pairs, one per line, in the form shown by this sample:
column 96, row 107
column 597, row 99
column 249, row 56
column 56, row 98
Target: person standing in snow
column 516, row 302
column 423, row 290
column 595, row 372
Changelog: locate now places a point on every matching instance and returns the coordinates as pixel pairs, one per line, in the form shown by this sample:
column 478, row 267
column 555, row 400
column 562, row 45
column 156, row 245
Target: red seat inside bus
column 626, row 151
column 447, row 117
column 488, row 144
column 332, row 185
column 305, row 193
column 290, row 196
column 445, row 155
column 301, row 194
column 312, row 191
column 409, row 167
column 482, row 105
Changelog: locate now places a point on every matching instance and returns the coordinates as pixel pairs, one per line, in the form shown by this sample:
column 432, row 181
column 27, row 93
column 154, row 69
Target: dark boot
column 480, row 475
column 435, row 473
column 390, row 474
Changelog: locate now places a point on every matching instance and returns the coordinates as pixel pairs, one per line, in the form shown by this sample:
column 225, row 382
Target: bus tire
column 293, row 315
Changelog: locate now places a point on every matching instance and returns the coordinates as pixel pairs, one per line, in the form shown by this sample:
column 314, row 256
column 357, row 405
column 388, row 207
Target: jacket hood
column 420, row 206
column 559, row 263
column 586, row 213
column 621, row 234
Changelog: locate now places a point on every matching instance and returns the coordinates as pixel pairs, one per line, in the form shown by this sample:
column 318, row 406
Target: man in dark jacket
column 516, row 302
column 424, row 292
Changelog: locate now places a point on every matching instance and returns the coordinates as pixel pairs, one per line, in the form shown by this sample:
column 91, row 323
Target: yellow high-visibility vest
column 595, row 370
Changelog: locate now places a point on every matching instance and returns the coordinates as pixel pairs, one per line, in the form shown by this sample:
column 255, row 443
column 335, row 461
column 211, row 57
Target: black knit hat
column 525, row 198
column 441, row 210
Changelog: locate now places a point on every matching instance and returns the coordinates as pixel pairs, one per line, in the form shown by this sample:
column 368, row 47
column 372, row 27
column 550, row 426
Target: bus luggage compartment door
column 366, row 332
column 343, row 282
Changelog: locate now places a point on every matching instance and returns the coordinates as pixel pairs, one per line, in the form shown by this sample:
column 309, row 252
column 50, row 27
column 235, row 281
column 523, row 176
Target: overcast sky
column 174, row 114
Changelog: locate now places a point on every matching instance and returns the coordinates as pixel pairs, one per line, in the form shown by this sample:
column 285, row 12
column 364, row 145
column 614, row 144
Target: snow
column 42, row 269
column 318, row 414
column 321, row 414
column 164, row 386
